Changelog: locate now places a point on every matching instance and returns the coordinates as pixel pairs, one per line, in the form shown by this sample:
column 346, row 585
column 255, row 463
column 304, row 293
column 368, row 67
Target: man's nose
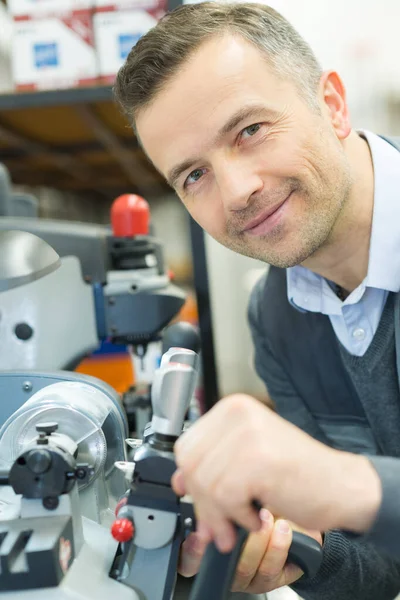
column 237, row 181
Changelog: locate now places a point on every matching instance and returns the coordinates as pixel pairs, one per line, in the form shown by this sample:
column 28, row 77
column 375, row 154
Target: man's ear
column 333, row 98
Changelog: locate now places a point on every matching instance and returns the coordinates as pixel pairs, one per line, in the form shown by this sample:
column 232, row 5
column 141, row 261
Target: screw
column 47, row 428
column 188, row 523
column 50, row 502
column 111, row 301
column 27, row 386
column 80, row 473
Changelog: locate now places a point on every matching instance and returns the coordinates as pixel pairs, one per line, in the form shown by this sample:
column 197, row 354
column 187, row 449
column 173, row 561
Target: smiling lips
column 267, row 219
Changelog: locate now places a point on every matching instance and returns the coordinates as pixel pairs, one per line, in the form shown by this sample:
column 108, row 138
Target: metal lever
column 171, row 393
column 158, row 516
column 183, row 356
column 217, row 570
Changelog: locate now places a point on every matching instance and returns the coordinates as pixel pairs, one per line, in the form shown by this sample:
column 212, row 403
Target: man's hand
column 263, row 565
column 241, row 451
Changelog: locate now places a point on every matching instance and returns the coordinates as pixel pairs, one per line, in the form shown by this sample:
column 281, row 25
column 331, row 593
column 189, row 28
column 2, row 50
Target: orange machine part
column 116, row 370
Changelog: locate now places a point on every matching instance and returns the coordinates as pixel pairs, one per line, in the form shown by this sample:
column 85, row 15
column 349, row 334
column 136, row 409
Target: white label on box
column 38, row 8
column 116, row 33
column 53, row 50
column 126, row 4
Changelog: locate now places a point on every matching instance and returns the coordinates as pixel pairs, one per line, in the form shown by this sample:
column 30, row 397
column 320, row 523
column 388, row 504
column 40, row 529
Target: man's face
column 256, row 167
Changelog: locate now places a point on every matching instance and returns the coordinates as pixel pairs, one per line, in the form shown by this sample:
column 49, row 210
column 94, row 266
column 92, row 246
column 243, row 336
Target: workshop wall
column 5, row 45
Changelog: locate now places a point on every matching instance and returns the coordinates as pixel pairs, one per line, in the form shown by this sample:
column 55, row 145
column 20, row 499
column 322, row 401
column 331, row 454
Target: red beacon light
column 130, row 216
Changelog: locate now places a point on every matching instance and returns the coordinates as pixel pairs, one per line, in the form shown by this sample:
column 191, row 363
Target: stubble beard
column 285, row 249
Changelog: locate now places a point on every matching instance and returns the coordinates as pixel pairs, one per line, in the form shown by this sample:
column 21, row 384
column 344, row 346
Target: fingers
column 263, row 565
column 214, row 486
column 192, row 552
column 253, row 553
column 224, row 535
column 178, row 483
column 273, row 571
column 191, row 446
column 215, row 528
column 219, row 527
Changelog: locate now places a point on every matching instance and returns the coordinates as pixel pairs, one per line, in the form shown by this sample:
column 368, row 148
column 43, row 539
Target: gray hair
column 159, row 54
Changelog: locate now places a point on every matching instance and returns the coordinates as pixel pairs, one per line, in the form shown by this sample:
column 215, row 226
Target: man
column 232, row 107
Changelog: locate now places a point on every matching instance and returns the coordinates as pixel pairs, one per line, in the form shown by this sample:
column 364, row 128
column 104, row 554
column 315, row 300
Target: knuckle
column 236, row 405
column 269, row 573
column 244, row 573
column 225, row 493
column 197, row 483
column 220, row 492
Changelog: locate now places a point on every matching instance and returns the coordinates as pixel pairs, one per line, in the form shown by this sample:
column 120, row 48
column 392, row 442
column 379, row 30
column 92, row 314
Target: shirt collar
column 311, row 292
column 384, row 254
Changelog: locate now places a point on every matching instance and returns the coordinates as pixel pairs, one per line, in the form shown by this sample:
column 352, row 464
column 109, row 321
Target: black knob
column 38, row 461
column 51, row 502
column 23, row 331
column 181, row 335
column 47, row 428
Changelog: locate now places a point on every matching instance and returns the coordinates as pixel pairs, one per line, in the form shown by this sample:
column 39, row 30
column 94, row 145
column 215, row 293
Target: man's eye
column 194, row 176
column 251, row 130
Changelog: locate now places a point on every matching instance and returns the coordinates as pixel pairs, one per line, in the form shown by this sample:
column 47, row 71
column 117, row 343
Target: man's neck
column 344, row 258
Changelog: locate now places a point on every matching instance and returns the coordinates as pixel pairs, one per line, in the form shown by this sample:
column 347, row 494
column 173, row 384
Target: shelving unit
column 74, row 139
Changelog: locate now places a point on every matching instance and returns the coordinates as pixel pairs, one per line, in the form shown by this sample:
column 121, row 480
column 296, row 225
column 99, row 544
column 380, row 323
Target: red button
column 122, row 530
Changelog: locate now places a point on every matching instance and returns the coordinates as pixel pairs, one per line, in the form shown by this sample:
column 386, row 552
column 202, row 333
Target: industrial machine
column 71, row 285
column 54, row 534
column 64, row 469
column 14, row 204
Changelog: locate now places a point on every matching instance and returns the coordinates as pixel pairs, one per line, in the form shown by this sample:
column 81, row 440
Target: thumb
column 192, row 552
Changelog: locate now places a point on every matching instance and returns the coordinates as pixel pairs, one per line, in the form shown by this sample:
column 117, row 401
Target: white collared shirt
column 356, row 320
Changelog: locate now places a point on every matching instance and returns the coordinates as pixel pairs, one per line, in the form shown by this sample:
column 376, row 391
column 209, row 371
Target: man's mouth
column 267, row 219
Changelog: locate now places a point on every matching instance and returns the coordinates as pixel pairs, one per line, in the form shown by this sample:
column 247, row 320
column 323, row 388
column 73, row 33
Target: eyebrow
column 243, row 113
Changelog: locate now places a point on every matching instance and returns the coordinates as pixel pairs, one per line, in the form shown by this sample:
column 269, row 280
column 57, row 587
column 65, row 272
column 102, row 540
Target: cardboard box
column 54, row 52
column 45, row 8
column 117, row 31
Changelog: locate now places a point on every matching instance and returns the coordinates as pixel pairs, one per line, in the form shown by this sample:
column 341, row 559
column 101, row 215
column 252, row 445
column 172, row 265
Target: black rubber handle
column 306, row 553
column 217, row 570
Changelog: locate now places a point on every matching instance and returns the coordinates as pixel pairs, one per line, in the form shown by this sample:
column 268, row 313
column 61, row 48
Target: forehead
column 224, row 74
